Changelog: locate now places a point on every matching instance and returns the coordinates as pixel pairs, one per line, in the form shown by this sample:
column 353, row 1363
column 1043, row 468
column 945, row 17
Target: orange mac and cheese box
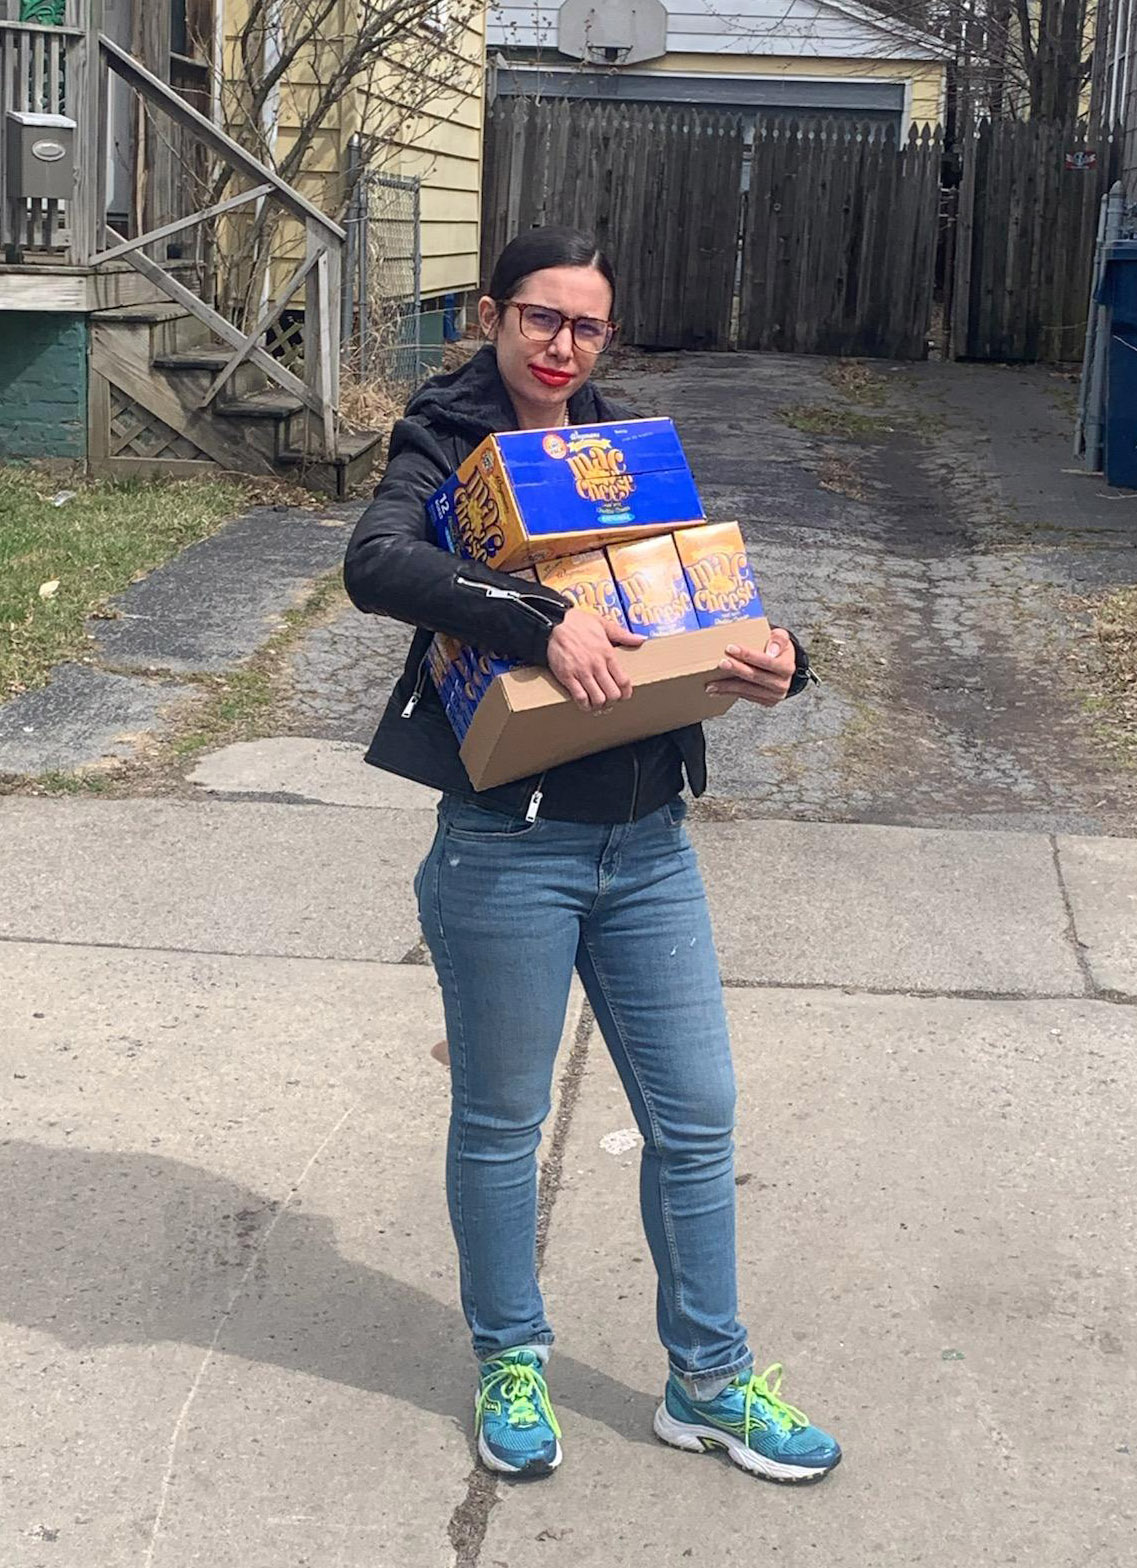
column 653, row 591
column 718, row 574
column 586, row 579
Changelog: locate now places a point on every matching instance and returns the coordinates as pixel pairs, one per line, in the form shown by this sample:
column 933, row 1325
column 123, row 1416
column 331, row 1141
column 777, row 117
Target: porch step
column 203, row 358
column 171, row 328
column 260, row 405
column 358, row 454
column 143, row 315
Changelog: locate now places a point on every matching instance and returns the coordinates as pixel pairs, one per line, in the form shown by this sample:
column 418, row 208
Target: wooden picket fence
column 658, row 187
column 1026, row 221
column 840, row 240
column 832, row 245
column 811, row 236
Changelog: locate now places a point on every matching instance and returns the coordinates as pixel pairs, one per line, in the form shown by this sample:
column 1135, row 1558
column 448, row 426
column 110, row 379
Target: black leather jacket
column 392, row 568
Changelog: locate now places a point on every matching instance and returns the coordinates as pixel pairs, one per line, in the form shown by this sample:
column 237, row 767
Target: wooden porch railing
column 40, row 68
column 66, row 70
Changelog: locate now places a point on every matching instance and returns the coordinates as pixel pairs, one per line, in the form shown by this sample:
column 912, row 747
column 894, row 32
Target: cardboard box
column 652, row 587
column 525, row 724
column 719, row 577
column 587, row 580
column 525, row 496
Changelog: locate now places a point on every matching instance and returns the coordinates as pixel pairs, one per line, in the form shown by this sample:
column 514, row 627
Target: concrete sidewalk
column 228, row 1304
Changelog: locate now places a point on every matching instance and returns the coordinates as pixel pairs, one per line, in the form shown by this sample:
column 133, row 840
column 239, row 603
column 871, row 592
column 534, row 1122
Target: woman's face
column 541, row 377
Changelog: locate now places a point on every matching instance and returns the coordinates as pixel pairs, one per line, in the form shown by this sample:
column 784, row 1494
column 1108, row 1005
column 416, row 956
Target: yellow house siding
column 925, row 80
column 321, row 178
column 440, row 143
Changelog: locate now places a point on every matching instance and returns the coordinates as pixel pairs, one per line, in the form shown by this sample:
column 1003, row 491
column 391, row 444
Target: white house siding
column 746, row 27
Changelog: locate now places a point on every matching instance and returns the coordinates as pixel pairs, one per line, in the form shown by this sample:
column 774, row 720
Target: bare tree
column 309, row 72
column 1008, row 57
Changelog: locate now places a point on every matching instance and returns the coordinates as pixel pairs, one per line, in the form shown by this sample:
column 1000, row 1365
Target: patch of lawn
column 91, row 547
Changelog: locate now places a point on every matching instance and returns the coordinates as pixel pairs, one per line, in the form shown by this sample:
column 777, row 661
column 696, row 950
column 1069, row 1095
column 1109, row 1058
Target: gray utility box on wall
column 41, row 156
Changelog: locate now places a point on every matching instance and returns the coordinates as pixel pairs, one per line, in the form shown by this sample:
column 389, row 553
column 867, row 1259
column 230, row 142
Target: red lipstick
column 551, row 378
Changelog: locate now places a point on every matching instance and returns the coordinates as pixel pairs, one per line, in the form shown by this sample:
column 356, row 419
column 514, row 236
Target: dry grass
column 1115, row 701
column 857, row 381
column 369, row 405
column 454, row 355
column 837, row 474
column 818, row 419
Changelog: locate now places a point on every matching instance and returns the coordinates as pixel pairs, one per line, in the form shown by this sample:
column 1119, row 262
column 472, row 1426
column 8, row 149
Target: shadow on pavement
column 135, row 1249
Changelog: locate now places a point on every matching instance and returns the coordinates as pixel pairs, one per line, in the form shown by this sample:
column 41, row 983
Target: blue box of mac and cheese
column 525, row 496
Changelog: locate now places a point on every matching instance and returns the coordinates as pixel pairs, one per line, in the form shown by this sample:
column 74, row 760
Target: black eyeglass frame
column 521, row 306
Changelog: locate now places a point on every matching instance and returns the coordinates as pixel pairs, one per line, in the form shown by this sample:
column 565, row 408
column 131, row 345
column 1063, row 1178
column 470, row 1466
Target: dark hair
column 537, row 249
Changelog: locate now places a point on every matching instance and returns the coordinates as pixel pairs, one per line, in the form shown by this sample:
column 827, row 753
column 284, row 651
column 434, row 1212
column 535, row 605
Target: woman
column 587, row 867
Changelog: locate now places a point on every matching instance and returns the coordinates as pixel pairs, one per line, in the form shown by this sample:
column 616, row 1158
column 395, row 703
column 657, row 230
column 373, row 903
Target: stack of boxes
column 606, row 515
column 659, row 587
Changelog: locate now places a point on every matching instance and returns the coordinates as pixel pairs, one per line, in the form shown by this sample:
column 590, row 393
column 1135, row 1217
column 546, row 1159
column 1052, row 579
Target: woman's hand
column 758, row 677
column 582, row 657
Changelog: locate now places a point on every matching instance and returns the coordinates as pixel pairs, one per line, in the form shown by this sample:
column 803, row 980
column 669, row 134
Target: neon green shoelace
column 523, row 1392
column 759, row 1387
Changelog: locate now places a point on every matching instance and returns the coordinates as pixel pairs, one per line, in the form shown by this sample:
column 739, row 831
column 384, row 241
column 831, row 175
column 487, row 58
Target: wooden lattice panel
column 135, row 432
column 285, row 341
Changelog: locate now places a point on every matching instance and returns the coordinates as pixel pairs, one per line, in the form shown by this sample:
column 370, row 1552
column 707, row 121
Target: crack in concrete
column 930, row 994
column 470, row 1520
column 410, row 960
column 1071, row 933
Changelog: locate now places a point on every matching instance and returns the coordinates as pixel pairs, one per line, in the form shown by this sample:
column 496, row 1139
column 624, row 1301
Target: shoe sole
column 537, row 1467
column 702, row 1439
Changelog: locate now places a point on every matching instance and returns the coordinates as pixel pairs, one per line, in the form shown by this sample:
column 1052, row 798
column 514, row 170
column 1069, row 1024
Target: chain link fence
column 382, row 325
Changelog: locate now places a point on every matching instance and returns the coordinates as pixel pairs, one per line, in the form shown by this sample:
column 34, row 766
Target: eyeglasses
column 541, row 324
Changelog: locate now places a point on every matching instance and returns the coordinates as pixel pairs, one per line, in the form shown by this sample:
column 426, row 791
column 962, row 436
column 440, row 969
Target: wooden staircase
column 176, row 387
column 151, row 367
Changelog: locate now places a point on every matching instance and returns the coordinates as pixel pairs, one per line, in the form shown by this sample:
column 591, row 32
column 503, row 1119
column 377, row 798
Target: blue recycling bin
column 1119, row 292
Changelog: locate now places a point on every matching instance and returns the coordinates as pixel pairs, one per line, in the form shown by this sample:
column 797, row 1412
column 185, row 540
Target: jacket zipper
column 420, row 687
column 526, row 602
column 635, row 781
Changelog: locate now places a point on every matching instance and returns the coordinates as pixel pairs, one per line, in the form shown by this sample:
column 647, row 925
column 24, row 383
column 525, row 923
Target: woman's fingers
column 747, row 690
column 621, row 636
column 575, row 690
column 776, row 682
column 742, row 671
column 595, row 692
column 620, row 677
column 582, row 657
column 608, row 684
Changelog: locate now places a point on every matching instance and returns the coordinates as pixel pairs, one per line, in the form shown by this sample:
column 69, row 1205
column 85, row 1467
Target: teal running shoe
column 516, row 1429
column 755, row 1426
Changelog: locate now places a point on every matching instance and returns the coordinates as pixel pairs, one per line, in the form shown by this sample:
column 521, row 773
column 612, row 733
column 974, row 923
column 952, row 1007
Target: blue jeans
column 509, row 908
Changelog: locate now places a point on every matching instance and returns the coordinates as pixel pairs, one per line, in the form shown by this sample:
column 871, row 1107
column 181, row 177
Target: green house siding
column 43, row 384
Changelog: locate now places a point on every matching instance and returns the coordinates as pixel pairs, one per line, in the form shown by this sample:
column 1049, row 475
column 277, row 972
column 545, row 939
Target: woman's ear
column 489, row 317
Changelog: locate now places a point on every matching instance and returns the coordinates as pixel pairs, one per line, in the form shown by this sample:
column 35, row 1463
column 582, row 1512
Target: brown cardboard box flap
column 526, row 723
